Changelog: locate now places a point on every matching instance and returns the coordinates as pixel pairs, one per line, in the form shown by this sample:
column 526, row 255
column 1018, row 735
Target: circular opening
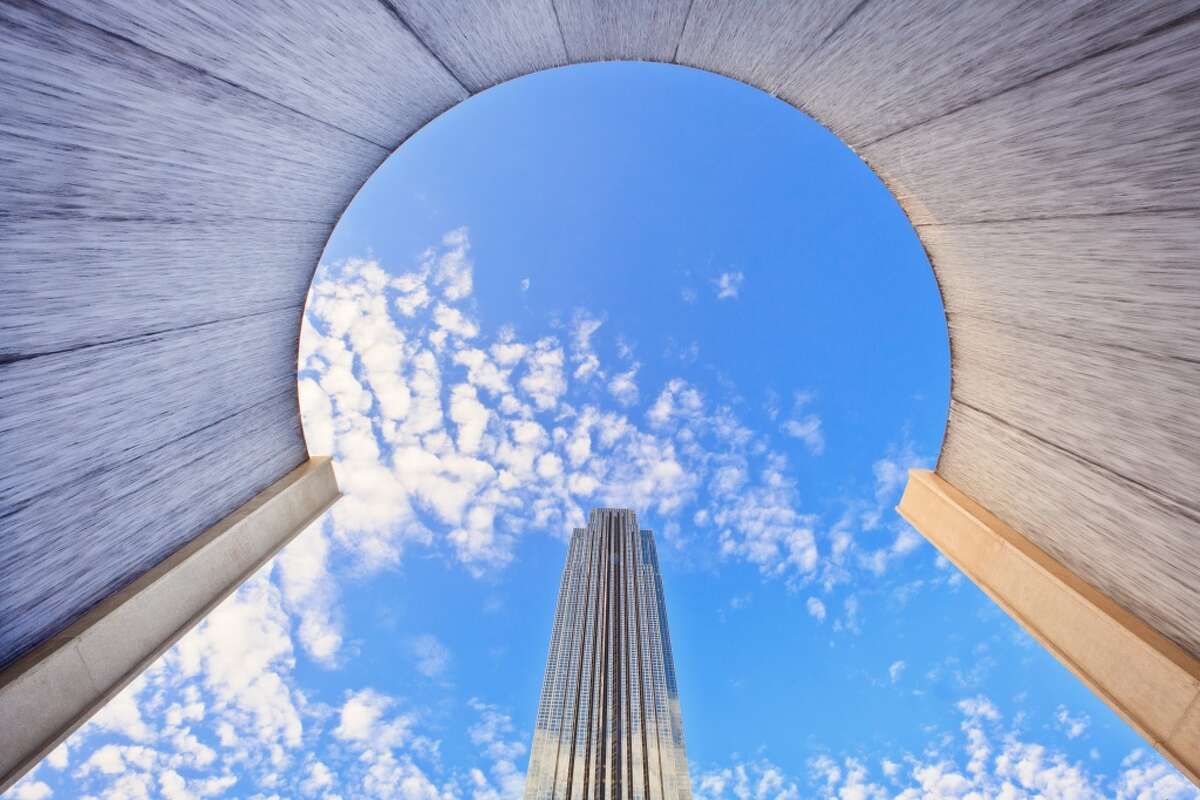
column 638, row 286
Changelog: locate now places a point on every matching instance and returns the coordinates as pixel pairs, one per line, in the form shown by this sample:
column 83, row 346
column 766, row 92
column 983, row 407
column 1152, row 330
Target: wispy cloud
column 431, row 656
column 1071, row 726
column 366, row 717
column 583, row 328
column 984, row 757
column 501, row 745
column 728, row 285
column 623, row 387
column 448, row 435
column 816, row 608
column 222, row 712
column 802, row 424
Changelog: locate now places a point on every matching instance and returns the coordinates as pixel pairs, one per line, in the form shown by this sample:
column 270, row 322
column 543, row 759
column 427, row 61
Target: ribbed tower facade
column 608, row 725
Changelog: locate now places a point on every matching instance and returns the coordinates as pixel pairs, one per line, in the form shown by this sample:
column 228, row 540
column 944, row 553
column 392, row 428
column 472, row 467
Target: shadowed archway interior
column 172, row 174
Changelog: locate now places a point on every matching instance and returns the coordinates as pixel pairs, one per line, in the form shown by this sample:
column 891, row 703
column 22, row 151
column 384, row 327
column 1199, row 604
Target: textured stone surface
column 102, row 128
column 92, row 408
column 766, row 48
column 1114, row 133
column 907, row 63
column 177, row 275
column 352, row 64
column 1127, row 281
column 168, row 172
column 1088, row 400
column 69, row 548
column 485, row 42
column 608, row 30
column 1134, row 544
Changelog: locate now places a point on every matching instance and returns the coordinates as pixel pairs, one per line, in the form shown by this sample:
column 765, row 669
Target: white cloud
column 803, row 426
column 623, row 387
column 816, row 608
column 432, row 657
column 679, row 402
column 855, row 538
column 984, row 760
column 213, row 787
column 452, row 268
column 106, row 760
column 455, row 322
column 122, row 715
column 410, row 461
column 1072, row 727
column 412, row 294
column 471, row 417
column 757, row 780
column 173, row 786
column 222, row 708
column 849, row 621
column 978, row 707
column 317, row 412
column 896, row 670
column 549, row 465
column 363, row 720
column 761, row 524
column 484, row 372
column 60, row 756
column 243, row 651
column 388, row 777
column 446, row 435
column 318, row 779
column 31, row 790
column 544, row 381
column 728, row 285
column 309, row 592
column 1151, row 778
column 583, row 327
column 891, row 474
column 808, row 430
column 771, row 406
column 524, row 284
column 499, row 743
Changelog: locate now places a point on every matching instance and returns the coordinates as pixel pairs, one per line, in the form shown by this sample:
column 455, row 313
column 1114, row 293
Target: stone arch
column 171, row 175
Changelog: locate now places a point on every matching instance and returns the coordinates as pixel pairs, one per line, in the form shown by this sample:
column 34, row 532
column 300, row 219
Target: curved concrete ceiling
column 172, row 171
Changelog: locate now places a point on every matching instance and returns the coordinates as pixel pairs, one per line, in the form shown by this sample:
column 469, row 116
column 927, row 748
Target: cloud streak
column 984, row 757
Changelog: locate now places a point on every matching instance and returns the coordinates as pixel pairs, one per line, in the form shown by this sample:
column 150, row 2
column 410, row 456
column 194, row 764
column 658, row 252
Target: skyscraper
column 608, row 725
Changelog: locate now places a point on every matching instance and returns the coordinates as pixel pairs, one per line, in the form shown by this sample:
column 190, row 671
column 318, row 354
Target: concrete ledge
column 1146, row 678
column 52, row 690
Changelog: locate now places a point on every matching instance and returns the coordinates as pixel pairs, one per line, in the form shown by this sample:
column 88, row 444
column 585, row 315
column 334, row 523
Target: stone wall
column 172, row 171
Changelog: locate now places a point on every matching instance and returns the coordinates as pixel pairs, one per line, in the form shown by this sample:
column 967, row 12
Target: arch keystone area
column 172, row 172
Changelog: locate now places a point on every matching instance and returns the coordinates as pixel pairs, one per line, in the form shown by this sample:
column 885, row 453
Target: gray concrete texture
column 171, row 172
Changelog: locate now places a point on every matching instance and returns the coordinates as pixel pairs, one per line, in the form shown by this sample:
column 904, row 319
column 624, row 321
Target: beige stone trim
column 52, row 690
column 1146, row 678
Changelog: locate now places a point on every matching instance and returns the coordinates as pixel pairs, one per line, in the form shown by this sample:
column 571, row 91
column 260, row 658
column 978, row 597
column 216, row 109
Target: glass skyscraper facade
column 608, row 725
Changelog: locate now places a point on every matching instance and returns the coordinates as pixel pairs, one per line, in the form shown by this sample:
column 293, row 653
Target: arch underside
column 171, row 174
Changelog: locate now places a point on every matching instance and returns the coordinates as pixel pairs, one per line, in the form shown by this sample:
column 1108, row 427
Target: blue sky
column 635, row 285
